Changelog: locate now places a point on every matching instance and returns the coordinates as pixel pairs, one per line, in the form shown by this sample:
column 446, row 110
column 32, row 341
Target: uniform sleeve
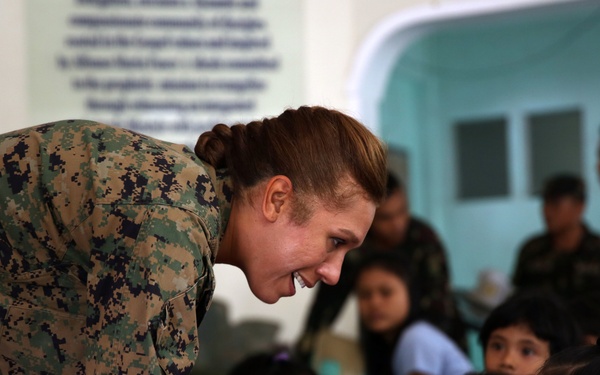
column 436, row 298
column 150, row 272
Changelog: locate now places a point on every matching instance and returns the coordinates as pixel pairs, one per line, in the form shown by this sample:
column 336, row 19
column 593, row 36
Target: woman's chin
column 266, row 296
column 268, row 299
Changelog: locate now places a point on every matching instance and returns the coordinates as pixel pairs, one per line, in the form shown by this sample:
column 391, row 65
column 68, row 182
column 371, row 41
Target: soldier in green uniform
column 108, row 237
column 566, row 259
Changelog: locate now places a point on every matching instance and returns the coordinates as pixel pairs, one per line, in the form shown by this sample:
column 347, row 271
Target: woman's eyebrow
column 351, row 236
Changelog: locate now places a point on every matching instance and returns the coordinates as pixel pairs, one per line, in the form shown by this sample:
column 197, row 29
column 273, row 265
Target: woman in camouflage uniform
column 108, row 237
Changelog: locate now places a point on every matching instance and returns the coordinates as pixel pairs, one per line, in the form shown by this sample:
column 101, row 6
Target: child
column 580, row 360
column 524, row 331
column 395, row 341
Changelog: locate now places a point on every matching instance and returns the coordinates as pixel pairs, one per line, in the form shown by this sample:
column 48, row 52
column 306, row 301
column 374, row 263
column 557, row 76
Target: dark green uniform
column 107, row 242
column 567, row 273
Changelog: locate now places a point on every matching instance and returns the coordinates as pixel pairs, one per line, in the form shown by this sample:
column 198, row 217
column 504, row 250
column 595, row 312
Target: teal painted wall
column 509, row 67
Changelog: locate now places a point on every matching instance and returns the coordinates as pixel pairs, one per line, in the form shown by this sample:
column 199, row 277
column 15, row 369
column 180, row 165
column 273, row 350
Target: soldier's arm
column 437, row 300
column 143, row 304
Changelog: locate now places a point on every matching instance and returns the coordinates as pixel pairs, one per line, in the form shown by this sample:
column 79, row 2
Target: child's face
column 515, row 350
column 383, row 300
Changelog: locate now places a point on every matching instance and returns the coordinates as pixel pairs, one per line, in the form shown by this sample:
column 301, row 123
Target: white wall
column 13, row 82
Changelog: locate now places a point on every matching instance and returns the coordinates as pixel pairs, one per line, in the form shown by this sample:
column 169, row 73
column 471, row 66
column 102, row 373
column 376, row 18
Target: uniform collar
column 222, row 186
column 224, row 191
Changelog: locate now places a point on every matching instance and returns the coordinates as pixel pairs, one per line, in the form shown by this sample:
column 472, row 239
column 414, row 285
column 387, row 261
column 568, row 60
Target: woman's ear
column 277, row 197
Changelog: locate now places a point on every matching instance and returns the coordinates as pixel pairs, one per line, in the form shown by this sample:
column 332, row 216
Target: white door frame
column 387, row 41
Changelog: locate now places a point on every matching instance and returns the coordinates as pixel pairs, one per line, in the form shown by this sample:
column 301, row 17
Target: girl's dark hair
column 317, row 148
column 277, row 363
column 545, row 314
column 581, row 360
column 377, row 350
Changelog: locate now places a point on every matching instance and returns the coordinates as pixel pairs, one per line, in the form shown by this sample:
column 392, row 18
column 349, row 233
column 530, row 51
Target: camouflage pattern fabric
column 107, row 242
column 568, row 274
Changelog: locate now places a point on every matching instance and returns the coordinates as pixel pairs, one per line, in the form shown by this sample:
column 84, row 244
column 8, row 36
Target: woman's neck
column 226, row 253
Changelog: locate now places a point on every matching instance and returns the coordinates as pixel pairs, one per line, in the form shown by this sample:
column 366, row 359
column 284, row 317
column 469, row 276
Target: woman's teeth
column 299, row 279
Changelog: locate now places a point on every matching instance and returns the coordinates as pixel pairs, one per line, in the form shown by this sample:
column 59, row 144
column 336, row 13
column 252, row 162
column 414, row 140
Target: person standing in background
column 566, row 258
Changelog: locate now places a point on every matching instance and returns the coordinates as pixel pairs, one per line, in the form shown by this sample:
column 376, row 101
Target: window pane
column 555, row 146
column 482, row 158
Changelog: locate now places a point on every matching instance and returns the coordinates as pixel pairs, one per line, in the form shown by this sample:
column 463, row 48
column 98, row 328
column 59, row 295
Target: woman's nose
column 329, row 271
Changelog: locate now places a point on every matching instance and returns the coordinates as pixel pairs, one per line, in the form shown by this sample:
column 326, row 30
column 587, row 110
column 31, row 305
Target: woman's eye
column 337, row 242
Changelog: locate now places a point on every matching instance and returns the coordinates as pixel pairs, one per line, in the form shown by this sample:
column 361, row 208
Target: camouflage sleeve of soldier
column 433, row 281
column 142, row 304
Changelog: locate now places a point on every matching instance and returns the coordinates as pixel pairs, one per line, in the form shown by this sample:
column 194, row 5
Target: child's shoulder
column 424, row 334
column 421, row 329
column 422, row 325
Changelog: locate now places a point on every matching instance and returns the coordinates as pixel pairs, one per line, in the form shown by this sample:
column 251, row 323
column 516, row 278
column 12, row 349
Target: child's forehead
column 381, row 275
column 518, row 331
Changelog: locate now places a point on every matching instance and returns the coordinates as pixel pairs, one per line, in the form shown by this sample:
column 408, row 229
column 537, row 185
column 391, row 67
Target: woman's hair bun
column 213, row 145
column 308, row 145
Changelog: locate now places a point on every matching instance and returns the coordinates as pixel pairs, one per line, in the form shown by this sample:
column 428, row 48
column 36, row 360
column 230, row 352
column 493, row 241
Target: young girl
column 395, row 340
column 524, row 331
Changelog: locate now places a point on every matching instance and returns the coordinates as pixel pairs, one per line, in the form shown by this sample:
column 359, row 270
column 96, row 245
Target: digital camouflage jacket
column 107, row 242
